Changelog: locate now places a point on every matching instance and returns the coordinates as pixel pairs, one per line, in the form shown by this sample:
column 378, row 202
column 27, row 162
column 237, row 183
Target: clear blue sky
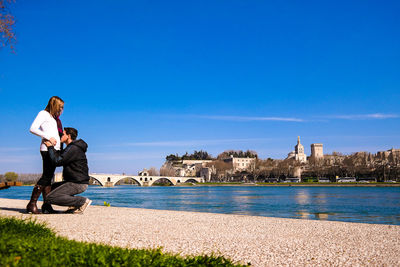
column 143, row 79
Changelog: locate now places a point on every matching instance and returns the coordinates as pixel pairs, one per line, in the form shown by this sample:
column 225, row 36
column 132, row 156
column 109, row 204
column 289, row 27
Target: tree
column 153, row 171
column 238, row 154
column 197, row 155
column 221, row 168
column 261, row 168
column 11, row 176
column 201, row 155
column 7, row 22
column 172, row 157
column 167, row 170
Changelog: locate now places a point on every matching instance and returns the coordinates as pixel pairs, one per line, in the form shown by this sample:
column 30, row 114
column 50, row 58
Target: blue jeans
column 63, row 194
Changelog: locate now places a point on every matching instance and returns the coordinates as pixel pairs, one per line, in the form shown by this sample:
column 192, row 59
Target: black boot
column 31, row 207
column 46, row 207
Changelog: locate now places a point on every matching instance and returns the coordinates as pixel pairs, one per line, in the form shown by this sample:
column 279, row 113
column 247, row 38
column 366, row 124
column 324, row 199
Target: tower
column 317, row 151
column 299, row 148
column 299, row 151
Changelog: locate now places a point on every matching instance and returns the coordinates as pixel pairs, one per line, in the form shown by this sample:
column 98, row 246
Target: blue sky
column 144, row 79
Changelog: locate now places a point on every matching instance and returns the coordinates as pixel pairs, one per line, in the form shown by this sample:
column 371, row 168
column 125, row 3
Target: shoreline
column 262, row 241
column 303, row 184
column 276, row 184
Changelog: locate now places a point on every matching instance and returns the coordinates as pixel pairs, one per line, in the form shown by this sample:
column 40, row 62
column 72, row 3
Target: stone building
column 186, row 167
column 389, row 156
column 240, row 164
column 206, row 172
column 317, row 151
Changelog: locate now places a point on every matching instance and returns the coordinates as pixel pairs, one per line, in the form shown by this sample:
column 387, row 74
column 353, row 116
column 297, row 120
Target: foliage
column 11, row 176
column 172, row 157
column 167, row 170
column 153, row 171
column 27, row 243
column 197, row 155
column 107, row 204
column 7, row 22
column 238, row 154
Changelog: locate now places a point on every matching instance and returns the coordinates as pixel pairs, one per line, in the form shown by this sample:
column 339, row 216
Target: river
column 350, row 204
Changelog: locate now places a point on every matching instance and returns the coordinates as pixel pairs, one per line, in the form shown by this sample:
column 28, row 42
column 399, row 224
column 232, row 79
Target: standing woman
column 47, row 126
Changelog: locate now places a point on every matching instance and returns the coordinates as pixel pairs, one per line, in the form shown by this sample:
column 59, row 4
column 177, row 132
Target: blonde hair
column 54, row 106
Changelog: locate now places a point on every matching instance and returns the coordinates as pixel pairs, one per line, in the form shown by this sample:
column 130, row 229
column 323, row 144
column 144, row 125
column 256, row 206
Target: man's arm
column 63, row 158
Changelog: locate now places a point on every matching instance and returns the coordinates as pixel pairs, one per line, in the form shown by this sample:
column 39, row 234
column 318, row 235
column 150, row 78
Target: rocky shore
column 261, row 241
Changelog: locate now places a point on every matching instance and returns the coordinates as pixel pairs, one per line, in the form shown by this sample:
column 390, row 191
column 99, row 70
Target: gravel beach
column 262, row 241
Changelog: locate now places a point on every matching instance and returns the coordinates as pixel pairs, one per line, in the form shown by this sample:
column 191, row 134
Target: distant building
column 188, row 162
column 391, row 155
column 186, row 167
column 334, row 159
column 317, row 151
column 298, row 153
column 206, row 172
column 240, row 164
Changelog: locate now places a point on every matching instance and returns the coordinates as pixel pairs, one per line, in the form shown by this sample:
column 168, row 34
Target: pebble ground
column 261, row 241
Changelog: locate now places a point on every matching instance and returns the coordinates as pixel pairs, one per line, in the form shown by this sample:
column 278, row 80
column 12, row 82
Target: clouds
column 295, row 119
column 378, row 116
column 194, row 143
column 244, row 118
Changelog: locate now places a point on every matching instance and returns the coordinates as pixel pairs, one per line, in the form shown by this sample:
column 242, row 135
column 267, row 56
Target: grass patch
column 28, row 243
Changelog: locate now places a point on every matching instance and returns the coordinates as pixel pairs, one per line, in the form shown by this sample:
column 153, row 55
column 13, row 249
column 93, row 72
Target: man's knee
column 51, row 197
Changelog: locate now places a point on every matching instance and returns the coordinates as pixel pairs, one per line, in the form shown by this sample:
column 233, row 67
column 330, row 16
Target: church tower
column 299, row 148
column 299, row 151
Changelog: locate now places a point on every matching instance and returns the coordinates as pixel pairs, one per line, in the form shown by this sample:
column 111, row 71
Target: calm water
column 350, row 204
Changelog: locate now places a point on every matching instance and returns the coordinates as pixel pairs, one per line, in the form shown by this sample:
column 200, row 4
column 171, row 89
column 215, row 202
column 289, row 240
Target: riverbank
column 262, row 241
column 302, row 184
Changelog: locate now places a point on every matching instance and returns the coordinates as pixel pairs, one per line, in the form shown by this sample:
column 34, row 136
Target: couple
column 47, row 125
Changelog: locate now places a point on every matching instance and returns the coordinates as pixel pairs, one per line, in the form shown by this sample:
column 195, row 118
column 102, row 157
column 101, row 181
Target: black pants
column 63, row 194
column 48, row 169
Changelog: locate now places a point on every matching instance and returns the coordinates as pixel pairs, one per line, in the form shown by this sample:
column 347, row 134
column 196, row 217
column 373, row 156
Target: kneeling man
column 75, row 174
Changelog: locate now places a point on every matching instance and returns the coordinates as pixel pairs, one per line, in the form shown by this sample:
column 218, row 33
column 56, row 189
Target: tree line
column 360, row 165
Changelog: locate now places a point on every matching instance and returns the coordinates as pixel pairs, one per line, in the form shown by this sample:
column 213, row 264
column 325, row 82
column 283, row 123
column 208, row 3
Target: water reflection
column 321, row 198
column 303, row 214
column 302, row 197
column 322, row 216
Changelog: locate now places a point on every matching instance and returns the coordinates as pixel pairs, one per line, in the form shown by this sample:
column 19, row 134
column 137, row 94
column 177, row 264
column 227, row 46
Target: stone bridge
column 143, row 180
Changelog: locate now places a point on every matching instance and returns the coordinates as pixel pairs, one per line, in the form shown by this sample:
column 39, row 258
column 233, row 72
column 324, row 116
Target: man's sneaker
column 71, row 209
column 82, row 208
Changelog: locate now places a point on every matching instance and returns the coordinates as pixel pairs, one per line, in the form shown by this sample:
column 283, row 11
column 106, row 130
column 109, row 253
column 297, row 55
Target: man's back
column 74, row 161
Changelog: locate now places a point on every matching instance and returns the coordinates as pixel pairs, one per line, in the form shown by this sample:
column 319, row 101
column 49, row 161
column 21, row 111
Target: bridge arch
column 131, row 178
column 91, row 177
column 162, row 179
column 191, row 181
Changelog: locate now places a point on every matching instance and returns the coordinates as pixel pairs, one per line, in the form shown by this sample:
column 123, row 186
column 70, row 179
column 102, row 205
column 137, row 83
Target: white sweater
column 45, row 126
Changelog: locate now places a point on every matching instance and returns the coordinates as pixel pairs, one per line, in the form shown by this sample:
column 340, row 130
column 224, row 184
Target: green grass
column 221, row 183
column 28, row 243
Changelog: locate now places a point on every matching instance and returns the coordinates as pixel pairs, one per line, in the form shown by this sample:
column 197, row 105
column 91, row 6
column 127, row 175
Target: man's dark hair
column 71, row 132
